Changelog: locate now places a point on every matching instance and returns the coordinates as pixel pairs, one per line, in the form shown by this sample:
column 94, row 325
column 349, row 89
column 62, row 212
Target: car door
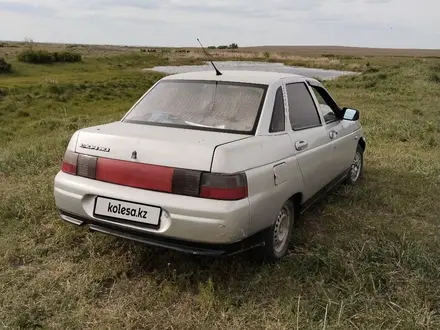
column 312, row 146
column 341, row 132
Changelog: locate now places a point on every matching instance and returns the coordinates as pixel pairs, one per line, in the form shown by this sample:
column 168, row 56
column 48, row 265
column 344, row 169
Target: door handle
column 333, row 134
column 301, row 145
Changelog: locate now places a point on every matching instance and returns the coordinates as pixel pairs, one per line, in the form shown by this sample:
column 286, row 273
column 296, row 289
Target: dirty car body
column 204, row 163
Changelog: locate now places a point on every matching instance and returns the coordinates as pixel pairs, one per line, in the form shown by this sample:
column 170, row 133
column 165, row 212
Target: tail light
column 70, row 161
column 224, row 186
column 78, row 164
column 87, row 166
column 158, row 178
column 186, row 182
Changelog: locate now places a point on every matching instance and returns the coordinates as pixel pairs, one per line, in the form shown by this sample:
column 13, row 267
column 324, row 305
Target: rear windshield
column 220, row 106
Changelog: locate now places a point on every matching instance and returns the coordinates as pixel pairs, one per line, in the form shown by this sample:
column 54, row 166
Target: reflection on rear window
column 205, row 104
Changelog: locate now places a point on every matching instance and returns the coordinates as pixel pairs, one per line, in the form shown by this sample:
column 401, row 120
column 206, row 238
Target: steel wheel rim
column 281, row 231
column 356, row 166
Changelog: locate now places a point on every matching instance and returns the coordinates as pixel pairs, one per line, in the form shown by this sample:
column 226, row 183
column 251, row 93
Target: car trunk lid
column 191, row 149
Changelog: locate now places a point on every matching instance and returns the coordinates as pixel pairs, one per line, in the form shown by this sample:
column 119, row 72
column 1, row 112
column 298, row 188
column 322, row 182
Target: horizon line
column 240, row 47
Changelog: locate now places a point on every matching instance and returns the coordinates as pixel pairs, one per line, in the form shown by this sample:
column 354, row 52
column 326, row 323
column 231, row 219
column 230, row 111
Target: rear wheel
column 357, row 167
column 278, row 236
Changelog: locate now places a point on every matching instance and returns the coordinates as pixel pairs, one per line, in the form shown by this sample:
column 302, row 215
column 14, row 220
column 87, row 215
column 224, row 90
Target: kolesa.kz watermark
column 118, row 209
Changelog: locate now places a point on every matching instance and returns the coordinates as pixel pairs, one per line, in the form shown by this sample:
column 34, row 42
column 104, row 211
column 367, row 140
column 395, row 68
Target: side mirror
column 350, row 114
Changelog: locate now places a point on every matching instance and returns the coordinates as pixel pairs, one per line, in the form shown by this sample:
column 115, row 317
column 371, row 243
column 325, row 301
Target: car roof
column 253, row 77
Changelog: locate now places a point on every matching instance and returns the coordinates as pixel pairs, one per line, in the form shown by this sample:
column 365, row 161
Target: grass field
column 367, row 257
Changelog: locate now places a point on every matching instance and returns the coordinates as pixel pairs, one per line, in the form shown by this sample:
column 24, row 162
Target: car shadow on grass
column 328, row 248
column 232, row 273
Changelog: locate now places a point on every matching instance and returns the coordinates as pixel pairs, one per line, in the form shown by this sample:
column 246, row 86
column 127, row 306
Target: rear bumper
column 169, row 243
column 189, row 219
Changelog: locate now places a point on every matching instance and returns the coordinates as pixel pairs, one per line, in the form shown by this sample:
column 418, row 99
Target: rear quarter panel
column 259, row 157
column 73, row 141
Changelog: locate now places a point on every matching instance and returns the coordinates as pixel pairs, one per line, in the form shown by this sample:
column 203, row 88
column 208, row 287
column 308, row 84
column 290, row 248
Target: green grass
column 367, row 257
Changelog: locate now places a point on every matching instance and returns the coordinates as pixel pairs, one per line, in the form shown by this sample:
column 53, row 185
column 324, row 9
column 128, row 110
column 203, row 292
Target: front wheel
column 357, row 167
column 278, row 236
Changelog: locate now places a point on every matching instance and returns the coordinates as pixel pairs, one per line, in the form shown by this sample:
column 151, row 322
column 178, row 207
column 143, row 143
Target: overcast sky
column 371, row 23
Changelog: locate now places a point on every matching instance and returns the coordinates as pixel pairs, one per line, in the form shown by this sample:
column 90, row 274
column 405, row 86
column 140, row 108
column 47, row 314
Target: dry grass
column 342, row 51
column 326, row 57
column 293, row 50
column 365, row 258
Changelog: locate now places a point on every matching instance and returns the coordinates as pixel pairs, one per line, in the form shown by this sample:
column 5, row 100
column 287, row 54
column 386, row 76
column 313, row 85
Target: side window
column 278, row 121
column 327, row 106
column 302, row 110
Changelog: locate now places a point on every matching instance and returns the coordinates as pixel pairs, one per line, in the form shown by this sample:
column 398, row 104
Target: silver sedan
column 212, row 164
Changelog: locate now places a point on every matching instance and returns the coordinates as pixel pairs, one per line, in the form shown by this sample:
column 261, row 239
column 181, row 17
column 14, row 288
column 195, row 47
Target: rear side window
column 302, row 110
column 278, row 122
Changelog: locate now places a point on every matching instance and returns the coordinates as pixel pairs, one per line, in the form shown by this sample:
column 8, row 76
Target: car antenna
column 217, row 72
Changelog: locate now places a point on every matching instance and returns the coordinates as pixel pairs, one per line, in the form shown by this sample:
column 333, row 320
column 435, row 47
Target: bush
column 435, row 77
column 69, row 57
column 5, row 67
column 45, row 57
column 212, row 47
column 231, row 46
column 372, row 69
column 36, row 56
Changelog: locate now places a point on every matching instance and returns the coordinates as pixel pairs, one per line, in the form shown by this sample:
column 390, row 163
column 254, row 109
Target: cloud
column 377, row 1
column 23, row 7
column 381, row 23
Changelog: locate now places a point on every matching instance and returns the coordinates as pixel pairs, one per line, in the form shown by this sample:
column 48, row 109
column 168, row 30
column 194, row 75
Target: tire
column 277, row 238
column 357, row 167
